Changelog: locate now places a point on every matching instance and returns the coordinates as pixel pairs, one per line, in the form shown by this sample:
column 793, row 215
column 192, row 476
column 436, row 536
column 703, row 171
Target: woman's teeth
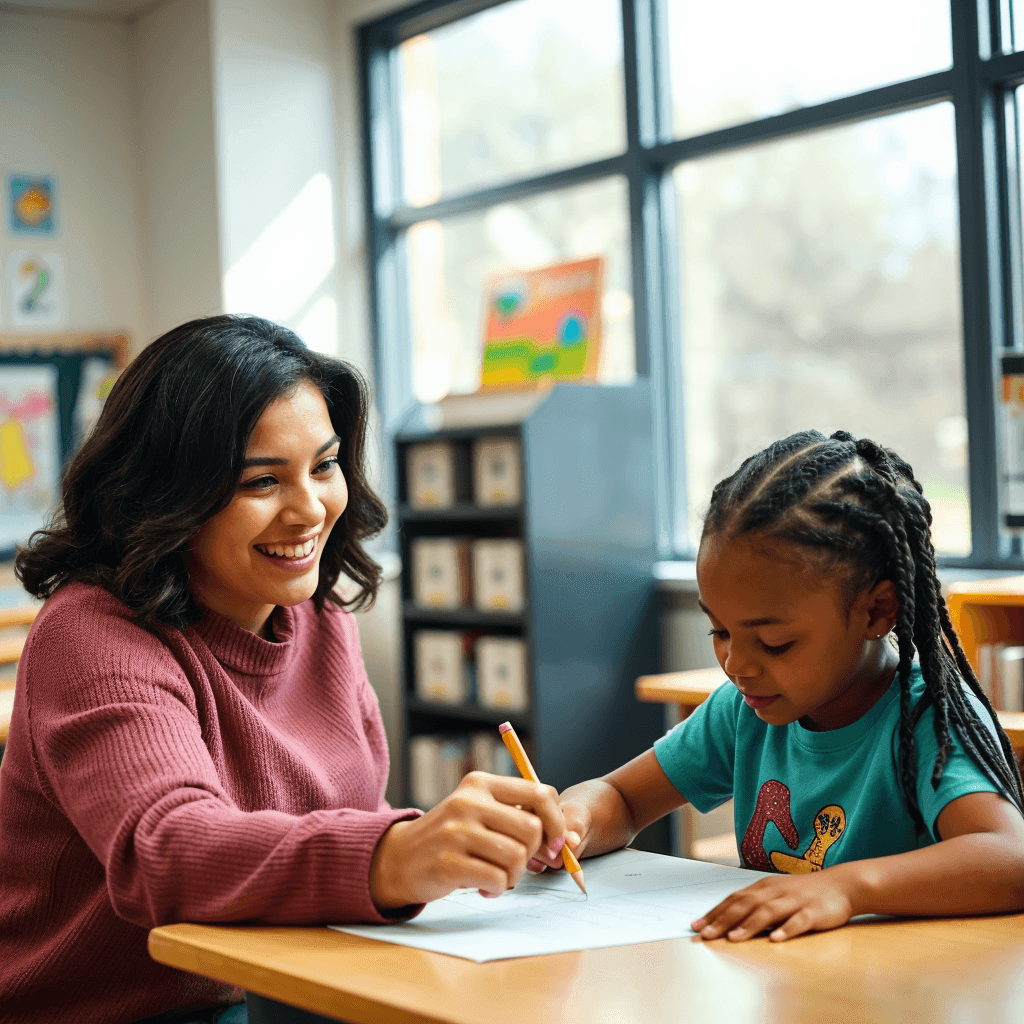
column 288, row 550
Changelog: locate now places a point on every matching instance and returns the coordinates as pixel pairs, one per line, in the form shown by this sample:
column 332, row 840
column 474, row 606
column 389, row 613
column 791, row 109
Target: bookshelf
column 585, row 518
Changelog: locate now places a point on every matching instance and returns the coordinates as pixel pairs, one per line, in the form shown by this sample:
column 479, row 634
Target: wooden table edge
column 210, row 961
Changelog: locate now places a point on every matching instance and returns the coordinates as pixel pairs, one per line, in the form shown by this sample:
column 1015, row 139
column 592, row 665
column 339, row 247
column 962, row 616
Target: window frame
column 980, row 85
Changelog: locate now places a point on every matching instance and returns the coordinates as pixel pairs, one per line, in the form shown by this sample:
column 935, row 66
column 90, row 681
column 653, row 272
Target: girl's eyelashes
column 723, row 634
column 327, row 465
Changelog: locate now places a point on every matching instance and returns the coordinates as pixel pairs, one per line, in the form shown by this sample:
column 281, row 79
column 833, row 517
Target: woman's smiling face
column 264, row 548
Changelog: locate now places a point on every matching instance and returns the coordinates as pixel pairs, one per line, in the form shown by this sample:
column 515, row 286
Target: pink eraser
column 505, row 727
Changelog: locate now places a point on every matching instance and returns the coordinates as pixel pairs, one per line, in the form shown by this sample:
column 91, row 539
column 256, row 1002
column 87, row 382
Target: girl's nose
column 738, row 664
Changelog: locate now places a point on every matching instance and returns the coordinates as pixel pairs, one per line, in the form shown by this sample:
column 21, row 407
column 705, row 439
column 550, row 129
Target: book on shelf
column 441, row 572
column 1001, row 675
column 439, row 761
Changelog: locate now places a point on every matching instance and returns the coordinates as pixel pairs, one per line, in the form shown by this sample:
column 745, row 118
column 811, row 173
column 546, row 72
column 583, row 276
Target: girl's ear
column 883, row 608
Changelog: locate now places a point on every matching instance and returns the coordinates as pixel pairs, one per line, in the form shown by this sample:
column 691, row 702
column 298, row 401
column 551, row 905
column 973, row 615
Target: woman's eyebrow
column 746, row 623
column 273, row 460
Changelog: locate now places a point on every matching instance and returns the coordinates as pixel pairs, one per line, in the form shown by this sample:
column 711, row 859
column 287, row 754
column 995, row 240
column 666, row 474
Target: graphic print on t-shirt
column 773, row 806
column 829, row 825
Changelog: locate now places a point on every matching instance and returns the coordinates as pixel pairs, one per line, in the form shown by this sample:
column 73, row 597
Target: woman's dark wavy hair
column 166, row 456
column 859, row 508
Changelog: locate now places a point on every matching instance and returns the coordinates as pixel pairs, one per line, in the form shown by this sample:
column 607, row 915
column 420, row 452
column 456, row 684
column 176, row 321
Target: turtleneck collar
column 245, row 651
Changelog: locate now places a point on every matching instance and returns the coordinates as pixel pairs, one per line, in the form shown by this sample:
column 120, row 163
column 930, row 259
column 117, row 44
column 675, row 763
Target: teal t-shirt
column 806, row 800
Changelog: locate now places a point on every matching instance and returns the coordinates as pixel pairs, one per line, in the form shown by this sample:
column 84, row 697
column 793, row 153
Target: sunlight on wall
column 279, row 275
column 319, row 327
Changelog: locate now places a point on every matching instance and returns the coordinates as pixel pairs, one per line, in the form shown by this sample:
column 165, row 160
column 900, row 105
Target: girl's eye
column 781, row 649
column 719, row 634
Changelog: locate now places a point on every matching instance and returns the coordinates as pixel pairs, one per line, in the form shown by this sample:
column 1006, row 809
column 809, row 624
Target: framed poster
column 30, row 204
column 543, row 326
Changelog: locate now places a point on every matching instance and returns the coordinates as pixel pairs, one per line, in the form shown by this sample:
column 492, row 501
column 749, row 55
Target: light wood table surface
column 877, row 972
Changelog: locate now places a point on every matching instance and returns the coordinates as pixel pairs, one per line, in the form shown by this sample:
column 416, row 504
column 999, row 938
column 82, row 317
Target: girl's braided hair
column 859, row 507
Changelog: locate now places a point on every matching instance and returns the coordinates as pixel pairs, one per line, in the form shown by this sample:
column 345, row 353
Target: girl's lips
column 759, row 702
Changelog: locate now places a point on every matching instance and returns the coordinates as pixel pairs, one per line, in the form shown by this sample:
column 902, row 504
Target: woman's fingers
column 535, row 797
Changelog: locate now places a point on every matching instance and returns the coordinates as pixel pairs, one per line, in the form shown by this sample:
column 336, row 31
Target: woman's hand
column 479, row 837
column 796, row 903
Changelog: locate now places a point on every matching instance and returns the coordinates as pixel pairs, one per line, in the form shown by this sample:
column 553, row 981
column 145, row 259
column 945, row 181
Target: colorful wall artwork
column 30, row 204
column 35, row 290
column 543, row 326
column 29, row 450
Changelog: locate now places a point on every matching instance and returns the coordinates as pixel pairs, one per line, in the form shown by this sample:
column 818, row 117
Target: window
column 810, row 211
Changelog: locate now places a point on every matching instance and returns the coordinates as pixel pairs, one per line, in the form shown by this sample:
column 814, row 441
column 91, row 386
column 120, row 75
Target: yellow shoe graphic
column 829, row 825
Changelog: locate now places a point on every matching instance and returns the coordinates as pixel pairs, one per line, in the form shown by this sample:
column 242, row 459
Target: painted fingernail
column 574, row 838
column 556, row 847
column 698, row 924
column 776, row 935
column 708, row 931
column 736, row 933
column 534, row 865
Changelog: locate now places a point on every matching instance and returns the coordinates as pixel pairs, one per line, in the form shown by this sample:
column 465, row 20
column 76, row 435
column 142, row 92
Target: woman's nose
column 304, row 507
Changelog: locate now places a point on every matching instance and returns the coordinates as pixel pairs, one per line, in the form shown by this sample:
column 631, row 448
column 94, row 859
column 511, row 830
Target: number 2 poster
column 35, row 290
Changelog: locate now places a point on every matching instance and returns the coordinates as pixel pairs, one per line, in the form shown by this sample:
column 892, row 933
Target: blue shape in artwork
column 572, row 331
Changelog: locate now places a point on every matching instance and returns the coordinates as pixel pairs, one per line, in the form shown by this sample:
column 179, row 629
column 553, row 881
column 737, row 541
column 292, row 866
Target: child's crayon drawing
column 543, row 326
column 30, row 205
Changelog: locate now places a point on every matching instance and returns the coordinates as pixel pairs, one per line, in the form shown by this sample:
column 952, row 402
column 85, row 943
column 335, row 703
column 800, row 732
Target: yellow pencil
column 515, row 748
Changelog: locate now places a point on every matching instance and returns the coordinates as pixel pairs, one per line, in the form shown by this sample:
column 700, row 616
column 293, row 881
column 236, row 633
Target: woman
column 194, row 737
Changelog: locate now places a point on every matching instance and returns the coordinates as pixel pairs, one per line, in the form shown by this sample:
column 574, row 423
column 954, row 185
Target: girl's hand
column 796, row 903
column 479, row 837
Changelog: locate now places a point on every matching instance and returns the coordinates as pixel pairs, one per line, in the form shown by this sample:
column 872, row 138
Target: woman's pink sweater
column 208, row 776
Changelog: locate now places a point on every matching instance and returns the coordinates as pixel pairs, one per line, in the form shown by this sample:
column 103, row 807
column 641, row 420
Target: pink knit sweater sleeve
column 120, row 734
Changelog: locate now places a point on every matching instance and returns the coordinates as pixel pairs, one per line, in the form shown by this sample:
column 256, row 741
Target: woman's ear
column 883, row 607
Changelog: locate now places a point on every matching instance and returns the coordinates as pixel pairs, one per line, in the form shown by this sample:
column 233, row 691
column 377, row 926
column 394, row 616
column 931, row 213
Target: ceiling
column 113, row 9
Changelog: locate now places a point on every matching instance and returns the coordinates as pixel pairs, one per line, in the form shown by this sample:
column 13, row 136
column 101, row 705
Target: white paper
column 633, row 897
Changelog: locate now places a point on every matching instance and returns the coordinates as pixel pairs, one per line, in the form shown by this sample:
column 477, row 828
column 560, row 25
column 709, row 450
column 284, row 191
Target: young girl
column 867, row 783
column 194, row 737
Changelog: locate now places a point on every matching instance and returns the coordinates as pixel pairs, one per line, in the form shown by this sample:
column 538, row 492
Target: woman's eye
column 327, row 465
column 719, row 634
column 258, row 483
column 781, row 649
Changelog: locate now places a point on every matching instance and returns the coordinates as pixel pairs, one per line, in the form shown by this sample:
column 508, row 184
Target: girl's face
column 784, row 637
column 264, row 548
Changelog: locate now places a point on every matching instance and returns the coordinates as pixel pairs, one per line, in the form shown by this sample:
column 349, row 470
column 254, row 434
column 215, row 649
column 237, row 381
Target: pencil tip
column 577, row 877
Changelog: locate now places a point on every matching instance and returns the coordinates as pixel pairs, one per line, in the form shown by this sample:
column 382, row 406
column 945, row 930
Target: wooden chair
column 10, row 652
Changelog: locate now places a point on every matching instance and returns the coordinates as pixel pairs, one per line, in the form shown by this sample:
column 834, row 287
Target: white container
column 441, row 670
column 440, row 572
column 501, row 673
column 498, row 575
column 430, row 472
column 497, row 478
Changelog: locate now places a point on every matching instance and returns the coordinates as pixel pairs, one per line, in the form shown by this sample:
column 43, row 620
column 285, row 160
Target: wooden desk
column 880, row 972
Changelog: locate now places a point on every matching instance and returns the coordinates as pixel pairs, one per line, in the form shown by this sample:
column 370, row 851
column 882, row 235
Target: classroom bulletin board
column 52, row 388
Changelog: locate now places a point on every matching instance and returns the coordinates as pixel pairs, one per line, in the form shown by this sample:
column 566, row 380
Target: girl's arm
column 605, row 814
column 977, row 868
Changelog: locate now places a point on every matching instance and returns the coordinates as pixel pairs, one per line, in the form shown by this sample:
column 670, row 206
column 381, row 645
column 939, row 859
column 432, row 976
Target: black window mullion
column 645, row 126
column 978, row 181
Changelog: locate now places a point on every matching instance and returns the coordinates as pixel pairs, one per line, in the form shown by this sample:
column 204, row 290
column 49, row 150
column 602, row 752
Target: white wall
column 277, row 163
column 66, row 109
column 172, row 55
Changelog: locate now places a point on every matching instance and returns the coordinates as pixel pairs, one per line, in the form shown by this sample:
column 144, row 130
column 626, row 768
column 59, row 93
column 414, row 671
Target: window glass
column 821, row 288
column 517, row 90
column 739, row 60
column 451, row 262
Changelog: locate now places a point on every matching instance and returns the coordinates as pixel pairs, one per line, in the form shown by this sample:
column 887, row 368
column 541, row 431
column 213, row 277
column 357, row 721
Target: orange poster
column 543, row 326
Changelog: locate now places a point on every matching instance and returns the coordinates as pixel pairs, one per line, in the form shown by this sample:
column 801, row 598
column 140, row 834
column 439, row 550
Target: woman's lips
column 759, row 702
column 292, row 564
